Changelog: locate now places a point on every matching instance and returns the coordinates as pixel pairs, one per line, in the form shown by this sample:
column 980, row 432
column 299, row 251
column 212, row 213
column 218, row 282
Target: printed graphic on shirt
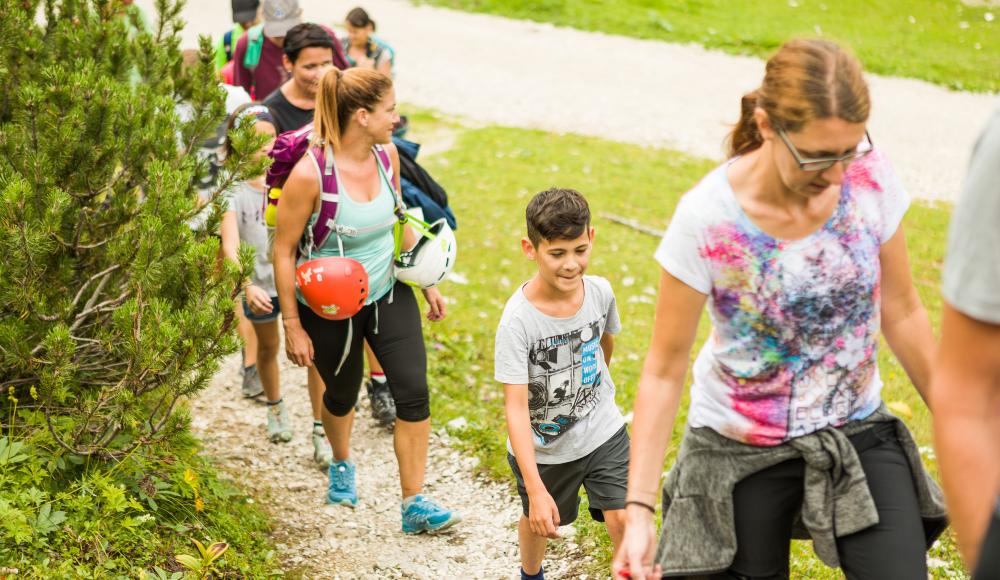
column 564, row 377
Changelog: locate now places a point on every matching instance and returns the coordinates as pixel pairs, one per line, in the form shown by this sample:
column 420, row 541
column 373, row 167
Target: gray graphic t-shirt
column 571, row 398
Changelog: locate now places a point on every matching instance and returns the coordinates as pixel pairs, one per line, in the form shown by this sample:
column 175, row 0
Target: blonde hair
column 806, row 79
column 340, row 94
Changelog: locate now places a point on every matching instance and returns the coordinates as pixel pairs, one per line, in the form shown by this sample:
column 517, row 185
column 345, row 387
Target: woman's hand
column 438, row 308
column 258, row 300
column 634, row 558
column 298, row 345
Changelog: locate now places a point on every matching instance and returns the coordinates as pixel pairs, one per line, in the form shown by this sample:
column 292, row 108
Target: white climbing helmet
column 427, row 264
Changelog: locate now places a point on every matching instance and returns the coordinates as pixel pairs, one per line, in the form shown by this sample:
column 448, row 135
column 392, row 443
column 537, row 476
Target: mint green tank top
column 373, row 248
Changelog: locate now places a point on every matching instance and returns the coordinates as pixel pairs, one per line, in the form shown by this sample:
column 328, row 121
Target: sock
column 539, row 576
column 273, row 403
column 378, row 377
column 317, row 426
column 249, row 368
column 408, row 500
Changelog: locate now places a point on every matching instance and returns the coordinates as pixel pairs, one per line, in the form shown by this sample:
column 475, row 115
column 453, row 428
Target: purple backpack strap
column 328, row 191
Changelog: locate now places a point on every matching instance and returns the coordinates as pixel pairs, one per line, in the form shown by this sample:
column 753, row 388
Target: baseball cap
column 280, row 16
column 245, row 10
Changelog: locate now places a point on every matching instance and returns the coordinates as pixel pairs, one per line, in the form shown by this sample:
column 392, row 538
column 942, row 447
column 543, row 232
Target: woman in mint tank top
column 795, row 246
column 355, row 112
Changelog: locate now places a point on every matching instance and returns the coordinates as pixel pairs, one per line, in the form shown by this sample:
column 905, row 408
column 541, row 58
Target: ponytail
column 745, row 136
column 340, row 94
column 326, row 122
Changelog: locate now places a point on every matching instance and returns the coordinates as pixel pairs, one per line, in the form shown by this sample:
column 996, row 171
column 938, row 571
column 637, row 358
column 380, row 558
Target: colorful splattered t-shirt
column 795, row 324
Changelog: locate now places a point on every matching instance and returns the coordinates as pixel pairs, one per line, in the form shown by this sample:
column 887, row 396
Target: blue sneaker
column 342, row 490
column 423, row 515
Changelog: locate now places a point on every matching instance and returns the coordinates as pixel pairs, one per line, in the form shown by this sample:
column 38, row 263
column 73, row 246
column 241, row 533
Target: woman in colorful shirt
column 796, row 245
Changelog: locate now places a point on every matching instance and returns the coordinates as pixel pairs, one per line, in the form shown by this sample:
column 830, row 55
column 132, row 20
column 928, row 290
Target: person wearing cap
column 259, row 59
column 246, row 14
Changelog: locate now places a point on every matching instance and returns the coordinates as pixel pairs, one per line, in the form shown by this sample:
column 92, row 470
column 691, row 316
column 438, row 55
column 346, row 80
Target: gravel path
column 320, row 541
column 521, row 74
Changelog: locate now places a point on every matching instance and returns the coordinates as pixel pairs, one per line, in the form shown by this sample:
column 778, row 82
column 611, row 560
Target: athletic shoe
column 423, row 515
column 383, row 406
column 252, row 386
column 322, row 453
column 279, row 424
column 342, row 490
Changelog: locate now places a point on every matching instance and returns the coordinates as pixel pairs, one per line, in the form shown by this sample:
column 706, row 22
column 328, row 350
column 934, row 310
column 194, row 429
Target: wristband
column 641, row 503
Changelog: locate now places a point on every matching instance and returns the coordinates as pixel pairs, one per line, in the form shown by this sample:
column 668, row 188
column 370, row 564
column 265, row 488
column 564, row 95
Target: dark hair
column 358, row 18
column 235, row 116
column 340, row 94
column 303, row 36
column 557, row 214
column 806, row 79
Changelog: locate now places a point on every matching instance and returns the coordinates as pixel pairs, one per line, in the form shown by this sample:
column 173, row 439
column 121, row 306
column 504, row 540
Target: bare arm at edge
column 965, row 398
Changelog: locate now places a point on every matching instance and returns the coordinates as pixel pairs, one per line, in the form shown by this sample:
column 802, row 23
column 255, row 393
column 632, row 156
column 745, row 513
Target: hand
column 438, row 308
column 298, row 345
column 634, row 558
column 543, row 515
column 258, row 300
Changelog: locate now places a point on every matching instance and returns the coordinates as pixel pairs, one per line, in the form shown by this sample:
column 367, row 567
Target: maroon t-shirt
column 270, row 72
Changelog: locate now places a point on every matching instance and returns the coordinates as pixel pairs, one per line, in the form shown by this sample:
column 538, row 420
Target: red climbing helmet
column 335, row 288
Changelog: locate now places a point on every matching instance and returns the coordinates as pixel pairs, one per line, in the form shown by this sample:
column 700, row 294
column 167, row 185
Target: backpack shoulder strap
column 255, row 44
column 384, row 160
column 383, row 157
column 329, row 193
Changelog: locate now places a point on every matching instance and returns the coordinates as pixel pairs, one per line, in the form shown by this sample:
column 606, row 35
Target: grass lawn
column 490, row 174
column 941, row 41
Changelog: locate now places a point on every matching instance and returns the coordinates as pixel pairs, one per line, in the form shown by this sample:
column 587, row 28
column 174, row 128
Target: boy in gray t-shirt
column 553, row 347
column 965, row 394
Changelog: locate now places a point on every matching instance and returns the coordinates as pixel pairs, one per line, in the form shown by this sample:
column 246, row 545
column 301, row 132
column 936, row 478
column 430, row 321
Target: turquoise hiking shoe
column 342, row 490
column 423, row 515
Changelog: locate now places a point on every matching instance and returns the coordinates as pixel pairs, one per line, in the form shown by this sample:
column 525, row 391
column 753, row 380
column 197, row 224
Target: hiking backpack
column 291, row 146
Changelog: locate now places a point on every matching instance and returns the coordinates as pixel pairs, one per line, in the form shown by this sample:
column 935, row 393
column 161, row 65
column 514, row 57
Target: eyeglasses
column 823, row 163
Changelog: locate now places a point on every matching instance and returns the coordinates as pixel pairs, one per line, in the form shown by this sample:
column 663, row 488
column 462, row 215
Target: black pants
column 394, row 333
column 989, row 552
column 766, row 503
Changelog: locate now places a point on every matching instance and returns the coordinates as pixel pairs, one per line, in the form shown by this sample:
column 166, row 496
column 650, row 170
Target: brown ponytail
column 806, row 79
column 340, row 94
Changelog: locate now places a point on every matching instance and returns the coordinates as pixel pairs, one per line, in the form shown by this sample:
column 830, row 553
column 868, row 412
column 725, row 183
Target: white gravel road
column 521, row 74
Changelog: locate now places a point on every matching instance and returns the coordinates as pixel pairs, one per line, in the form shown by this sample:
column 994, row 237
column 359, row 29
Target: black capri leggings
column 394, row 333
column 766, row 503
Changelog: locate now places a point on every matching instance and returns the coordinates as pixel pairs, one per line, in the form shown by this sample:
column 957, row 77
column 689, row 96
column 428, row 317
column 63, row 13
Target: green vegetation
column 941, row 41
column 491, row 173
column 113, row 310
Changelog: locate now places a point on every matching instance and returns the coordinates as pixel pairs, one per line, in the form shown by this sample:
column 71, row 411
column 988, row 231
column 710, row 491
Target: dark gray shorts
column 603, row 473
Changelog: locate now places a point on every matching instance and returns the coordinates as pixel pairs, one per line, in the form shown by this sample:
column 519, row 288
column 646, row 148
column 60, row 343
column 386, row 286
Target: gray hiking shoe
column 252, row 386
column 322, row 452
column 279, row 424
column 383, row 405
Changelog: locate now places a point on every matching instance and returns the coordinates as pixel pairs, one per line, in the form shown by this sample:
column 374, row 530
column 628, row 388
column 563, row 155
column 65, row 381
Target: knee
column 615, row 522
column 267, row 349
column 339, row 406
column 413, row 409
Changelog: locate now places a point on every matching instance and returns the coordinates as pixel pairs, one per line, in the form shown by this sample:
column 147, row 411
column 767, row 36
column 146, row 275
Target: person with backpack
column 246, row 15
column 362, row 48
column 341, row 201
column 243, row 222
column 259, row 59
column 796, row 246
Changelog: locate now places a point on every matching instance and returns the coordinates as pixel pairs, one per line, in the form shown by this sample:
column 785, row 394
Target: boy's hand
column 543, row 515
